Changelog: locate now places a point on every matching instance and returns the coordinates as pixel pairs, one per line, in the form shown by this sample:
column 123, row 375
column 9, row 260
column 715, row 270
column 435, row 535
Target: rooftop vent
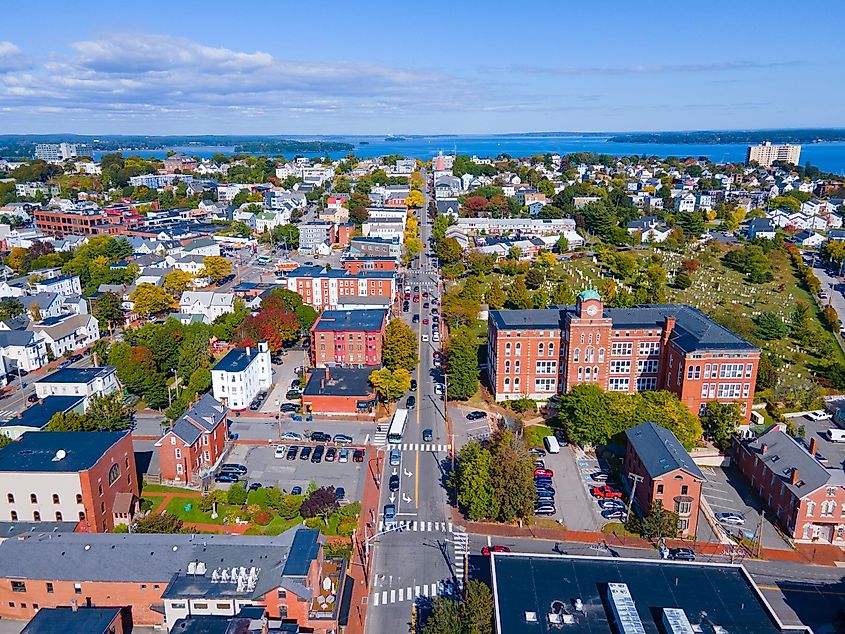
column 531, row 617
column 61, row 454
column 624, row 610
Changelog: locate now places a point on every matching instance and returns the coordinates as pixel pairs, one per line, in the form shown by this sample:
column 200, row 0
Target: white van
column 552, row 445
column 835, row 435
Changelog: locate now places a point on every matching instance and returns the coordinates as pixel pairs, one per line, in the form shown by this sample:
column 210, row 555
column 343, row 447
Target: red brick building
column 61, row 223
column 343, row 234
column 539, row 353
column 348, row 338
column 336, row 289
column 368, row 263
column 665, row 472
column 195, row 443
column 340, row 392
column 807, row 498
column 67, row 477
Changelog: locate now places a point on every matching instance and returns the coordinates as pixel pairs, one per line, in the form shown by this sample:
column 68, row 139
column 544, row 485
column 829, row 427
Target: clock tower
column 589, row 305
column 586, row 349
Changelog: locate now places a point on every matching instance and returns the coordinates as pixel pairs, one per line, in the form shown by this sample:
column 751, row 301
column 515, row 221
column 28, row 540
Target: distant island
column 395, row 138
column 288, row 146
column 714, row 137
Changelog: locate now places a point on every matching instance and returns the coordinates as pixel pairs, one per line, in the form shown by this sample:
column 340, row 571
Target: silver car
column 734, row 519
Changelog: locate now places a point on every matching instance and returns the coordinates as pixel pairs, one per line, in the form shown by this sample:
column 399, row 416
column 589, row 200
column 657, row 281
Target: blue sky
column 325, row 67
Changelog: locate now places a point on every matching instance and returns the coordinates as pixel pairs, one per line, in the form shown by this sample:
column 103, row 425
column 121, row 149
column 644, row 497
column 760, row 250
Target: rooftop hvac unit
column 624, row 610
column 676, row 622
column 192, row 568
column 201, row 568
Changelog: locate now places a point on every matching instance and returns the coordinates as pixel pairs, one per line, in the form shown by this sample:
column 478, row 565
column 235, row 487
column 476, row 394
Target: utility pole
column 760, row 535
column 636, row 479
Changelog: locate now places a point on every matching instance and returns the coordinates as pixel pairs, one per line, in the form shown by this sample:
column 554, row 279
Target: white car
column 734, row 519
column 819, row 414
column 438, row 389
column 435, row 337
column 425, row 337
column 280, row 452
column 291, row 435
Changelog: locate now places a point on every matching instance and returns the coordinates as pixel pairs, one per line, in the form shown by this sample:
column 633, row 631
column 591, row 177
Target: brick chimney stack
column 794, row 479
column 764, row 448
column 668, row 327
column 814, row 444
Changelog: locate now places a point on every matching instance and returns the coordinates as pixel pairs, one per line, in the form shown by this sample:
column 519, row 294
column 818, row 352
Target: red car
column 416, row 298
column 544, row 473
column 494, row 549
column 425, row 321
column 425, row 294
column 605, row 493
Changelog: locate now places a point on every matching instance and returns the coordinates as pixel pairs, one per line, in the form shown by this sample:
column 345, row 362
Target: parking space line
column 393, row 596
column 375, row 600
column 434, row 589
column 416, row 591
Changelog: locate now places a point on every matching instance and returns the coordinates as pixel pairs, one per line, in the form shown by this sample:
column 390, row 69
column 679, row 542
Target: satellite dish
column 61, row 454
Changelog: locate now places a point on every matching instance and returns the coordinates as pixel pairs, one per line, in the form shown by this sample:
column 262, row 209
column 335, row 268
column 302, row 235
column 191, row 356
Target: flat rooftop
column 713, row 596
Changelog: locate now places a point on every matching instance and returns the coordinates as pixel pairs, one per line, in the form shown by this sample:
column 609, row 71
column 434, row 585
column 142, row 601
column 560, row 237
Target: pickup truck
column 605, row 493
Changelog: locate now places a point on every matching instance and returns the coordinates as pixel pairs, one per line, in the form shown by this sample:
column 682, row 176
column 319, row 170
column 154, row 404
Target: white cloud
column 11, row 57
column 651, row 69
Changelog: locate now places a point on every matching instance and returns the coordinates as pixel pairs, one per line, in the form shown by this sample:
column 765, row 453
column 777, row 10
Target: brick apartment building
column 340, row 393
column 348, row 338
column 807, row 498
column 368, row 263
column 538, row 353
column 62, row 223
column 67, row 476
column 668, row 473
column 162, row 578
column 337, row 289
column 195, row 442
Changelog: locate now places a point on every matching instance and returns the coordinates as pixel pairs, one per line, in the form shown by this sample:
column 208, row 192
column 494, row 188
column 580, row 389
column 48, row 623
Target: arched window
column 79, row 498
column 580, row 374
column 601, row 355
column 582, row 337
column 811, row 508
column 576, row 356
column 551, row 349
column 518, row 348
column 14, row 516
column 58, row 516
column 36, row 516
column 81, row 516
column 507, row 384
column 516, row 384
column 114, row 473
column 33, row 498
column 516, row 366
column 541, row 349
column 590, row 355
column 587, row 374
column 508, row 348
column 55, row 498
column 507, row 365
column 598, row 337
column 596, row 373
column 10, row 497
column 591, row 338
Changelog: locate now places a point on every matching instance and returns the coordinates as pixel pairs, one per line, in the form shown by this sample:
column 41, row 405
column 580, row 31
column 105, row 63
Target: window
column 684, row 489
column 749, row 367
column 516, row 384
column 659, row 489
column 683, row 507
column 507, row 387
column 49, row 587
column 10, row 497
column 36, row 516
column 508, row 348
column 703, row 390
column 729, row 390
column 647, row 366
column 179, row 468
column 712, row 390
column 706, row 370
column 693, row 372
column 544, row 385
column 33, row 498
column 746, row 387
column 178, row 454
column 601, row 355
column 587, row 372
column 223, row 606
column 18, row 586
column 589, row 354
column 13, row 515
column 100, row 488
column 516, row 367
column 621, row 349
column 620, row 367
column 205, row 436
column 546, row 367
column 731, row 371
column 582, row 337
column 58, row 516
column 55, row 498
column 551, row 349
column 811, row 508
column 619, row 385
column 541, row 349
column 507, row 365
column 648, row 348
column 580, row 374
column 576, row 356
column 518, row 350
column 79, row 498
column 646, row 384
column 81, row 516
column 173, row 438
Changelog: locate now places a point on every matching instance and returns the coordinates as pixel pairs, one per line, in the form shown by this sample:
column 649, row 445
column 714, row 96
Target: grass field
column 176, row 506
column 161, row 488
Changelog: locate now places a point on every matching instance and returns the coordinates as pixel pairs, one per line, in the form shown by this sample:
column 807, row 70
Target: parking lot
column 727, row 491
column 833, row 452
column 263, row 467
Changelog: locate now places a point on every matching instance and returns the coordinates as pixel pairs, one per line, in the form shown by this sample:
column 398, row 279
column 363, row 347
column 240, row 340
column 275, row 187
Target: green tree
column 770, row 326
column 193, row 354
column 177, row 282
column 390, row 384
column 165, row 523
column 445, row 617
column 109, row 412
column 108, row 311
column 287, row 234
column 449, row 250
column 661, row 522
column 477, row 609
column 400, row 349
column 149, row 299
column 534, row 279
column 70, row 421
column 215, row 267
column 462, row 358
column 10, row 308
column 4, row 440
column 473, row 482
column 512, row 471
column 495, row 295
column 518, row 295
column 683, row 280
column 720, row 421
column 236, row 494
column 562, row 244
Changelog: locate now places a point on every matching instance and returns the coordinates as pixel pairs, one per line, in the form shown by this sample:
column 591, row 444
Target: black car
column 296, row 491
column 340, row 493
column 254, row 405
column 318, row 436
column 226, row 477
column 681, row 554
column 233, row 466
column 293, row 395
column 393, row 484
column 288, row 407
column 427, row 435
column 317, row 456
column 331, row 454
column 411, row 403
column 292, row 451
column 75, row 357
column 476, row 415
column 305, row 453
column 415, row 319
column 413, row 385
column 358, row 455
column 23, row 372
column 254, row 486
column 32, row 398
column 534, row 451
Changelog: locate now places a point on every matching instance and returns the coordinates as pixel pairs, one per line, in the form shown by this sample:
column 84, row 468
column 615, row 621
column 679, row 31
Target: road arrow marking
column 408, row 474
column 392, row 498
column 405, row 498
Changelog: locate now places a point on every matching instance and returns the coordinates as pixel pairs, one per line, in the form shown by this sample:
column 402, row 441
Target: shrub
column 236, row 494
column 347, row 526
column 522, row 405
column 254, row 530
column 253, row 509
column 258, row 497
column 262, row 518
column 353, row 509
column 321, row 502
column 290, row 505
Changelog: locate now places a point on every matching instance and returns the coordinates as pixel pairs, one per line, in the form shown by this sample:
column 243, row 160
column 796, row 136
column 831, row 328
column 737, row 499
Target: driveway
column 726, row 490
column 575, row 505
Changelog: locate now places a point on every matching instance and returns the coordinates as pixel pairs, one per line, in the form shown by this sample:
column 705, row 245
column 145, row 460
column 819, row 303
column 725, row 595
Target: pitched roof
column 204, row 415
column 83, row 620
column 237, row 359
column 660, row 451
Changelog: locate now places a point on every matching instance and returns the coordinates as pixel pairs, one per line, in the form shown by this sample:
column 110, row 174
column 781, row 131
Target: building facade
column 664, row 472
column 765, row 154
column 87, row 382
column 337, row 289
column 55, row 222
column 239, row 376
column 348, row 338
column 66, row 476
column 542, row 352
column 195, row 443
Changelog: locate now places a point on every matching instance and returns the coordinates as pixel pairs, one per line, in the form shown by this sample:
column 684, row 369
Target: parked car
column 545, row 493
column 288, row 407
column 32, row 398
column 305, row 454
column 233, row 466
column 342, row 439
column 605, row 492
column 427, row 435
column 498, row 548
column 438, row 389
column 343, row 455
column 296, row 491
column 393, row 483
column 317, row 456
column 539, row 464
column 75, row 357
column 331, row 454
column 681, row 554
column 545, row 508
column 340, row 493
column 226, row 477
column 293, row 395
column 730, row 517
column 425, row 337
column 413, row 385
column 280, row 451
column 415, row 319
column 291, row 435
column 536, row 451
column 254, row 405
column 292, row 451
column 319, row 436
column 544, row 473
column 254, row 486
column 611, row 503
column 543, row 482
column 818, row 415
column 358, row 455
column 599, row 476
column 476, row 415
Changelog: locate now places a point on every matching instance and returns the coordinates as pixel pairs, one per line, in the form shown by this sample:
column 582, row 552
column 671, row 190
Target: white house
column 25, row 349
column 206, row 303
column 239, row 376
column 63, row 285
column 202, row 247
column 87, row 382
column 761, row 228
column 67, row 334
column 685, row 202
column 43, row 305
column 809, row 239
column 387, row 228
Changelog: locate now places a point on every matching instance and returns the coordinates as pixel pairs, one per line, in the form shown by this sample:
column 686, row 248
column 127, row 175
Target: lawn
column 176, row 506
column 161, row 488
column 278, row 525
column 534, row 435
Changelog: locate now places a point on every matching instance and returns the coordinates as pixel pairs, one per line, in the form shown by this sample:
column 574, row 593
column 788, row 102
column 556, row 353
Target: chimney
column 794, row 478
column 74, row 605
column 764, row 448
column 327, row 373
column 668, row 327
column 248, row 350
column 813, row 446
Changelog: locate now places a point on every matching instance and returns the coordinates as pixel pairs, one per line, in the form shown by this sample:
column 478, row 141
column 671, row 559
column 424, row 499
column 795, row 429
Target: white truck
column 835, row 435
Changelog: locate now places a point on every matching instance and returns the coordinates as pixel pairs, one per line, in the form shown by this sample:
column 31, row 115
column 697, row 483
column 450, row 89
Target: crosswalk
column 460, row 543
column 420, row 526
column 7, row 414
column 416, row 446
column 380, row 437
column 410, row 593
